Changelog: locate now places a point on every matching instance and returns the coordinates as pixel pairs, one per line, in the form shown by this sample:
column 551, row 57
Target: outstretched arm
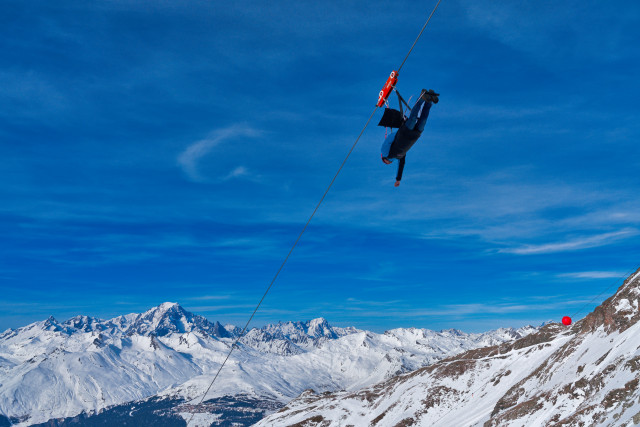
column 400, row 170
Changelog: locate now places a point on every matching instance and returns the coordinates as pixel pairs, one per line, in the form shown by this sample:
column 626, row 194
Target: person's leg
column 419, row 114
column 423, row 116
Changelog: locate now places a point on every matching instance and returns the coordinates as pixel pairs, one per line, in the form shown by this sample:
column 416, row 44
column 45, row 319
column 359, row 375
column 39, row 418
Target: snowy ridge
column 585, row 375
column 294, row 337
column 52, row 369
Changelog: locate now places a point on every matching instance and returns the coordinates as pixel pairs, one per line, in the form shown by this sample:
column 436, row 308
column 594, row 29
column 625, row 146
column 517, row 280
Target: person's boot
column 433, row 97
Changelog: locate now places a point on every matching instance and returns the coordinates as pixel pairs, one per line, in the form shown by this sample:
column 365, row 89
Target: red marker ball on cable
column 566, row 320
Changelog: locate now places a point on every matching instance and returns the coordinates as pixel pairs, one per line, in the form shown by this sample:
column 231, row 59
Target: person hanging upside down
column 397, row 144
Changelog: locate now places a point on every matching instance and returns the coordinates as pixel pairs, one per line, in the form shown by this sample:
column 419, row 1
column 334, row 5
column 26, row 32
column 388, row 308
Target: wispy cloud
column 537, row 29
column 500, row 213
column 30, row 95
column 466, row 310
column 208, row 298
column 238, row 172
column 358, row 302
column 572, row 245
column 188, row 160
column 217, row 308
column 594, row 275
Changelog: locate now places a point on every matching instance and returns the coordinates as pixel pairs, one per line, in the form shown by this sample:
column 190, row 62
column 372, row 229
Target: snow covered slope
column 585, row 375
column 54, row 369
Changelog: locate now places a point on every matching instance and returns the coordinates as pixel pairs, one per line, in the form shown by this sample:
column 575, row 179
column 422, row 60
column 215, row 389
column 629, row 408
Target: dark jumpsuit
column 408, row 134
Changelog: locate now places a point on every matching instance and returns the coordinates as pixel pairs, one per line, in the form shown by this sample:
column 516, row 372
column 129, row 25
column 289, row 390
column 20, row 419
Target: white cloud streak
column 238, row 172
column 572, row 245
column 594, row 275
column 466, row 310
column 209, row 298
column 188, row 160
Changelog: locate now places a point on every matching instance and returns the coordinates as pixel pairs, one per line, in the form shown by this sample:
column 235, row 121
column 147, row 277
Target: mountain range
column 151, row 368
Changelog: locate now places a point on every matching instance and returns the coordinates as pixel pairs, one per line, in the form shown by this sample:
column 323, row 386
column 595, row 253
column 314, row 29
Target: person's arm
column 400, row 170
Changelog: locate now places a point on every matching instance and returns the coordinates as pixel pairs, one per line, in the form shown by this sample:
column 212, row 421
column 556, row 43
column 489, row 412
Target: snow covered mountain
column 161, row 359
column 585, row 375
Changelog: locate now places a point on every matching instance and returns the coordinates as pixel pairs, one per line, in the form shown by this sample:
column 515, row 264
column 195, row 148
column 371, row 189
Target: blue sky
column 172, row 151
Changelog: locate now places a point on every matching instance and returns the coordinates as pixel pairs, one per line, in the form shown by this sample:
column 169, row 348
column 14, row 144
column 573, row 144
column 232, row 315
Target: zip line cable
column 419, row 35
column 287, row 257
column 237, row 340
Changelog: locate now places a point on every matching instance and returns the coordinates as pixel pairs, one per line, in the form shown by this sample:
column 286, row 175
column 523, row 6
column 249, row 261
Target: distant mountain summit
column 170, row 318
column 584, row 375
column 167, row 318
column 85, row 324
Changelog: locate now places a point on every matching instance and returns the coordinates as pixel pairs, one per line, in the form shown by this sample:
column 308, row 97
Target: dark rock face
column 617, row 313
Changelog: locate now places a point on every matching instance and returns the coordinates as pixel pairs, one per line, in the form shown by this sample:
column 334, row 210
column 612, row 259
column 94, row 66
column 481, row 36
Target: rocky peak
column 233, row 330
column 617, row 313
column 452, row 332
column 320, row 328
column 170, row 318
column 85, row 324
column 291, row 337
column 51, row 324
column 220, row 331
